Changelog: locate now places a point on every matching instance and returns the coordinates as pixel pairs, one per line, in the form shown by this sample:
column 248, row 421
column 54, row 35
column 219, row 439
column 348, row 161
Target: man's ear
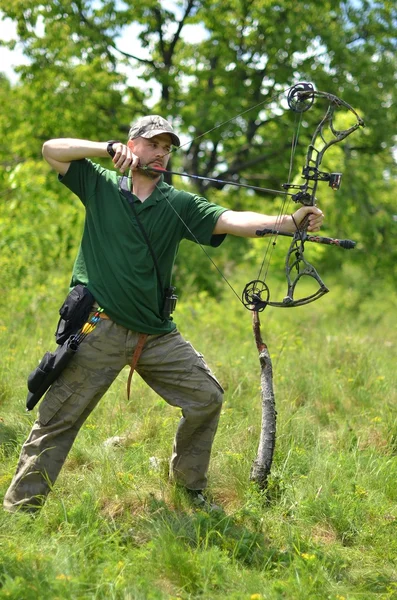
column 130, row 144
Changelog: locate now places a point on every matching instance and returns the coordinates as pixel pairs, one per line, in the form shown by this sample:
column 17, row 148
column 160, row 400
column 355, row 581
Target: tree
column 250, row 52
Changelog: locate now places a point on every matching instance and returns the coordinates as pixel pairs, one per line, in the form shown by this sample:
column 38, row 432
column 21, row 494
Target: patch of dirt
column 324, row 534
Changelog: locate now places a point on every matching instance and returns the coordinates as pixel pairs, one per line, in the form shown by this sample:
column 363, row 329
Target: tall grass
column 115, row 528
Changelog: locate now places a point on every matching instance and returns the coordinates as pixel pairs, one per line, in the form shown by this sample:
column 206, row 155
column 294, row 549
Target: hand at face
column 124, row 158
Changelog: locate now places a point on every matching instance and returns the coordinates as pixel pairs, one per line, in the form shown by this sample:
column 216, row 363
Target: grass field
column 115, row 528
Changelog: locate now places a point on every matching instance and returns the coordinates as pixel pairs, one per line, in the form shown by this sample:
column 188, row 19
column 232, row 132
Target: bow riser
column 294, row 261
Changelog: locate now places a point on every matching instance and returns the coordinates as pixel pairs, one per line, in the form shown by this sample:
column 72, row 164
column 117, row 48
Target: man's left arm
column 245, row 224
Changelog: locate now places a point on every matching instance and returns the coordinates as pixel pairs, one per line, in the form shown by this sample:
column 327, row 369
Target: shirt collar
column 161, row 190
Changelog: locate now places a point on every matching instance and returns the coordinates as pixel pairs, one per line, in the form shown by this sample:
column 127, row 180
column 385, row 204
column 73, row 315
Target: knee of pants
column 214, row 405
column 217, row 398
column 216, row 394
column 204, row 405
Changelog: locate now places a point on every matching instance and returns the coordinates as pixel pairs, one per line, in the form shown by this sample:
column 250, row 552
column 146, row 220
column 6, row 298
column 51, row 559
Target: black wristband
column 109, row 148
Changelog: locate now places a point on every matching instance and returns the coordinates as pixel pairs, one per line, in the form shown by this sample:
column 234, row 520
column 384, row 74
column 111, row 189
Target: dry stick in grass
column 263, row 462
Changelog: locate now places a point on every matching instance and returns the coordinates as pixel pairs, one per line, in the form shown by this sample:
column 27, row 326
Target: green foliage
column 77, row 84
column 39, row 228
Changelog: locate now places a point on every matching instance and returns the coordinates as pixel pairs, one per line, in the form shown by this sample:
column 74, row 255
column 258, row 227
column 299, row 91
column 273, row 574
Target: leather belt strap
column 137, row 353
column 135, row 357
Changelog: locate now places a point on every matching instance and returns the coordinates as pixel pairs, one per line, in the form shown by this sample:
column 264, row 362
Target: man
column 126, row 259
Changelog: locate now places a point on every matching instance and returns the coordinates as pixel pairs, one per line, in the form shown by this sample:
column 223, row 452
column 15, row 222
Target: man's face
column 154, row 152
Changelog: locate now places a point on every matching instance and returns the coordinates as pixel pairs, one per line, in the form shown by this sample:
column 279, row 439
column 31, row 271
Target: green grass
column 115, row 528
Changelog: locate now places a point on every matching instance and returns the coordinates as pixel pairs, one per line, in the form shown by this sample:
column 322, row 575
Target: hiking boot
column 201, row 499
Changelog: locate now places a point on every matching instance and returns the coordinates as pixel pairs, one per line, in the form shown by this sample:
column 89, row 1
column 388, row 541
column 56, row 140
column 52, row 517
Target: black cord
column 123, row 185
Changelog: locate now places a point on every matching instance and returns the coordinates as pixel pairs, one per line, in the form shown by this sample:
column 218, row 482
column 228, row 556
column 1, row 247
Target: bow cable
column 284, row 206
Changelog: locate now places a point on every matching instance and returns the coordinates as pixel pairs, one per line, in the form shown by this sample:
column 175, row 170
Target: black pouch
column 74, row 312
column 51, row 366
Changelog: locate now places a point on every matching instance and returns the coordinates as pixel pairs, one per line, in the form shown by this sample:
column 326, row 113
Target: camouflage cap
column 148, row 127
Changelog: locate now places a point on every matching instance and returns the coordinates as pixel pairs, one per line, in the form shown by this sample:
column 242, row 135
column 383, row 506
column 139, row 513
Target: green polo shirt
column 114, row 261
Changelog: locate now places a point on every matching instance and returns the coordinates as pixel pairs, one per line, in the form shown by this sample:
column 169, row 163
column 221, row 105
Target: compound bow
column 256, row 294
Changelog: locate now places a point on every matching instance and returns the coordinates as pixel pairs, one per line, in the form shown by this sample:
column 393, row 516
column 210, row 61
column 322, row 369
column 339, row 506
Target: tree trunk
column 263, row 462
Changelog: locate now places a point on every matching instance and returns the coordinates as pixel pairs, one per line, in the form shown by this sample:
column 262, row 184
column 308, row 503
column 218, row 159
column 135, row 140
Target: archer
column 133, row 227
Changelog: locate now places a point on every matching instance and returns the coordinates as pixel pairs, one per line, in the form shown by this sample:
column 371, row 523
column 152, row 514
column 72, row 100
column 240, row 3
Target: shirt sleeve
column 82, row 178
column 201, row 218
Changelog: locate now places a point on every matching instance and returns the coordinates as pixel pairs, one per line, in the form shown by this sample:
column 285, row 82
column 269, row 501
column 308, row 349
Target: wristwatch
column 109, row 147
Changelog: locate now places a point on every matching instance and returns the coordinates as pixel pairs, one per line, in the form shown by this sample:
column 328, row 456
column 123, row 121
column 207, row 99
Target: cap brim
column 149, row 134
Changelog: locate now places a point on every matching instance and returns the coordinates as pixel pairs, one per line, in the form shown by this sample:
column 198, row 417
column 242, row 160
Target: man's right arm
column 59, row 153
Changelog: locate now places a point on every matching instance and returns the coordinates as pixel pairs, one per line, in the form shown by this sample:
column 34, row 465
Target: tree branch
column 109, row 41
column 189, row 7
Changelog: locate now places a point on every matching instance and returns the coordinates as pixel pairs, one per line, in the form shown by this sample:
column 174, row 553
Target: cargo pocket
column 53, row 402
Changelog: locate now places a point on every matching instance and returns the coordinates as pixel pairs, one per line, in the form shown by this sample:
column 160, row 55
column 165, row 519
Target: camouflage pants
column 168, row 364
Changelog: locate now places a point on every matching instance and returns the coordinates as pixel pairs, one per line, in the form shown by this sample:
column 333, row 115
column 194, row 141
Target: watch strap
column 109, row 147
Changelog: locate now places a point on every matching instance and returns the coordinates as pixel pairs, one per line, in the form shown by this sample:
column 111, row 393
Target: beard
column 148, row 173
column 151, row 174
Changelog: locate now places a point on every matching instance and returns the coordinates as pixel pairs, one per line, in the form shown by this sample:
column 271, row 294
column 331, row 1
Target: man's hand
column 314, row 214
column 124, row 158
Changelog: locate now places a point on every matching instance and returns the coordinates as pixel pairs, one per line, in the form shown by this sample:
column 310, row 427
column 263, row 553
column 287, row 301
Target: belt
column 135, row 357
